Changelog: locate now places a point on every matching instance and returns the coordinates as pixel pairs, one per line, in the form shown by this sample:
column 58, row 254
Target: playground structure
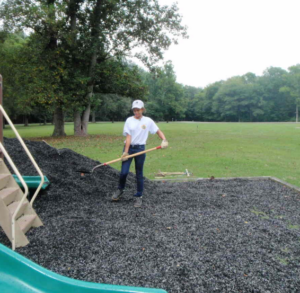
column 17, row 216
column 32, row 181
column 18, row 274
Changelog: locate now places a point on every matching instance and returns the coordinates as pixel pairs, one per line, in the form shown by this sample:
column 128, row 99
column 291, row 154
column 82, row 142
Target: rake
column 117, row 160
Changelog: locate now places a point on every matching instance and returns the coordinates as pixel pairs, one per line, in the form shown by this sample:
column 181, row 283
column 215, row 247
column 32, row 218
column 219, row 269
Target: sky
column 232, row 37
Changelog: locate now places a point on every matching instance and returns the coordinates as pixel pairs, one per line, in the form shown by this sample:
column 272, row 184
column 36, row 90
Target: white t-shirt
column 139, row 129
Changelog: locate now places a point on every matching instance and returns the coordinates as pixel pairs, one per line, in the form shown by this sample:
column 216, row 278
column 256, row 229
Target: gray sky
column 233, row 37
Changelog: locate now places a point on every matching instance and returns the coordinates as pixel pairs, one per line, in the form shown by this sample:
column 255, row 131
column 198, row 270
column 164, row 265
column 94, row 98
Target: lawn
column 205, row 149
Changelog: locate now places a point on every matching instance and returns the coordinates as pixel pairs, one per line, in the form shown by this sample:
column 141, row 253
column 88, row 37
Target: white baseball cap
column 137, row 104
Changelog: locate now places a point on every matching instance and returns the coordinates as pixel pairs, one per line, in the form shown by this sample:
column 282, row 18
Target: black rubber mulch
column 204, row 236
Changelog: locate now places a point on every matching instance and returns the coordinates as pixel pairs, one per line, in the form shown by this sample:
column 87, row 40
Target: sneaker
column 138, row 202
column 117, row 195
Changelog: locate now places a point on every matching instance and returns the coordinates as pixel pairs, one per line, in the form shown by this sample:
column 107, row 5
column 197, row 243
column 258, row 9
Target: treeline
column 274, row 96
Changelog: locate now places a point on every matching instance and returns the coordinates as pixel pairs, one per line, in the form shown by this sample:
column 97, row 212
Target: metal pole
column 1, row 116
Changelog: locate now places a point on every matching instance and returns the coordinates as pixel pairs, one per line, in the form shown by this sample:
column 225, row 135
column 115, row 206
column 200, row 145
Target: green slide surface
column 32, row 181
column 20, row 275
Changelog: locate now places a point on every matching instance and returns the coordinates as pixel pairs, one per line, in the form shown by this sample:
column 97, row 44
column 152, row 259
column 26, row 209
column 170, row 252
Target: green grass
column 262, row 215
column 205, row 149
column 283, row 261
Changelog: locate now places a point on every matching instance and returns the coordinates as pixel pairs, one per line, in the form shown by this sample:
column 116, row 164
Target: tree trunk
column 26, row 120
column 81, row 122
column 77, row 123
column 59, row 125
column 297, row 114
column 94, row 117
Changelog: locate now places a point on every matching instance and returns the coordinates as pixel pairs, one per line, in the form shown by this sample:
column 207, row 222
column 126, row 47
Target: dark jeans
column 139, row 165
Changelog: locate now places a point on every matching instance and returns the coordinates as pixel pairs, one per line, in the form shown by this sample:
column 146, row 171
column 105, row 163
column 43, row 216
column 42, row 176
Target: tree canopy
column 75, row 38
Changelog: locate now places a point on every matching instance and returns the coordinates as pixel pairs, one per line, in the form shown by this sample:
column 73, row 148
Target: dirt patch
column 203, row 236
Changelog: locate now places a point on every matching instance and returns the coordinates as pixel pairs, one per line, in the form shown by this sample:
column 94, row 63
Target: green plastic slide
column 32, row 181
column 20, row 275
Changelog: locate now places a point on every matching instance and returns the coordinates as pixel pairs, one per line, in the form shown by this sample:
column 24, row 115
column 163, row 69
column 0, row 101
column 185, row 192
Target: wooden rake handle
column 131, row 156
column 128, row 157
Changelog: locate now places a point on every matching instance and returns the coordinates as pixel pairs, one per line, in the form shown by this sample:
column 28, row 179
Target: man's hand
column 123, row 157
column 164, row 144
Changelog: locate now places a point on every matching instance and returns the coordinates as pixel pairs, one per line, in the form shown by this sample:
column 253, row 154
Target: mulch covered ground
column 203, row 236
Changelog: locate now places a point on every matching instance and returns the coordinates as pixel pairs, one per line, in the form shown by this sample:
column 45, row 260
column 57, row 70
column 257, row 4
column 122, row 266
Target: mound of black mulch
column 203, row 236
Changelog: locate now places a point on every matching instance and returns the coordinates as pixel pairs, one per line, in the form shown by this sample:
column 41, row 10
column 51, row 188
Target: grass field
column 205, row 149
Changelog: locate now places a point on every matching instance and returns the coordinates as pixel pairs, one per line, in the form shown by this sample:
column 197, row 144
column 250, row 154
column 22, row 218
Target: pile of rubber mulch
column 202, row 236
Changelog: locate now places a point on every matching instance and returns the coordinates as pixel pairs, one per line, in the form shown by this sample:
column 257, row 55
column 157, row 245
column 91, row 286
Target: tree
column 23, row 80
column 205, row 104
column 78, row 35
column 192, row 95
column 238, row 99
column 276, row 107
column 293, row 87
column 10, row 45
column 166, row 97
column 119, row 82
column 114, row 107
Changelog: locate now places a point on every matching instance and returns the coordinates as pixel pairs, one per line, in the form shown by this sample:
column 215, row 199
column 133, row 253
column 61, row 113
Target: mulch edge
column 294, row 187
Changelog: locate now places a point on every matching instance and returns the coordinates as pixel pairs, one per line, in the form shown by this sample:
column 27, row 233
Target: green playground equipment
column 17, row 215
column 19, row 274
column 32, row 181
